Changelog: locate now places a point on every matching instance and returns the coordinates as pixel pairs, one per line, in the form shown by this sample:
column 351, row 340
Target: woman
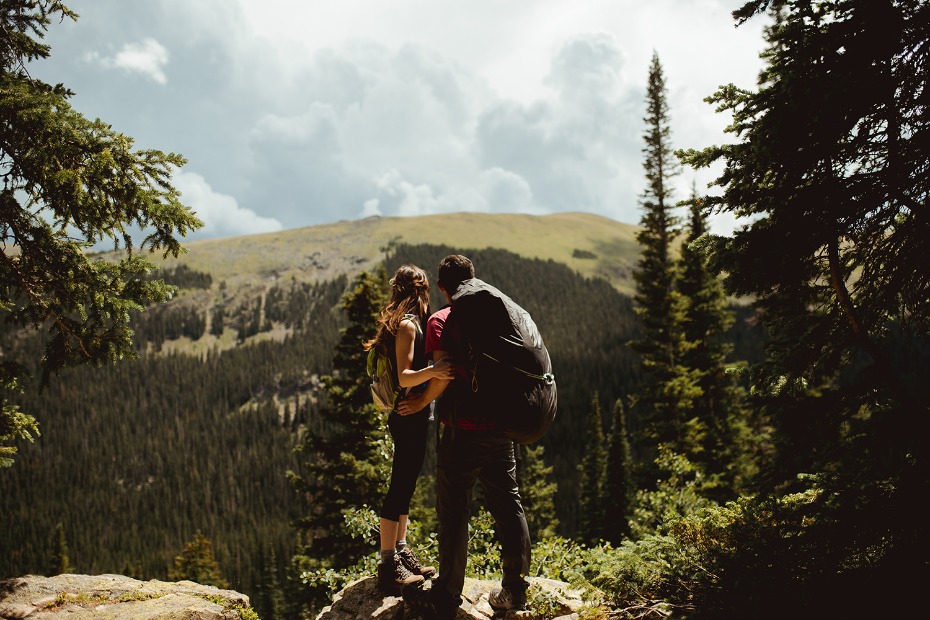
column 400, row 325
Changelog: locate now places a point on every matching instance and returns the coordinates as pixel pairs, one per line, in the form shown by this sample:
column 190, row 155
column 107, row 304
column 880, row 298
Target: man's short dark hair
column 453, row 270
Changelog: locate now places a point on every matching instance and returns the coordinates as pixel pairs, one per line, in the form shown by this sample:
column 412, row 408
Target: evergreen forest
column 743, row 436
column 203, row 443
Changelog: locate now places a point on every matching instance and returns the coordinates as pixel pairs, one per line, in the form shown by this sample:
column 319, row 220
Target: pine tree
column 664, row 402
column 537, row 491
column 269, row 601
column 706, row 322
column 217, row 318
column 591, row 501
column 618, row 479
column 831, row 177
column 68, row 184
column 60, row 562
column 345, row 465
column 196, row 563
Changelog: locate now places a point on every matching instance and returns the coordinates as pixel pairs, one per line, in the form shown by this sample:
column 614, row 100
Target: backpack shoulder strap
column 416, row 322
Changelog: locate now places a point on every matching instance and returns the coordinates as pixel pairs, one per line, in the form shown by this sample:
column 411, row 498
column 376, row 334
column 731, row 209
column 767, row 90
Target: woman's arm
column 434, row 388
column 406, row 339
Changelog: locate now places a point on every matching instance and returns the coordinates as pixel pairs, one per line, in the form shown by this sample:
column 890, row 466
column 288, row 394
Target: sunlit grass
column 592, row 245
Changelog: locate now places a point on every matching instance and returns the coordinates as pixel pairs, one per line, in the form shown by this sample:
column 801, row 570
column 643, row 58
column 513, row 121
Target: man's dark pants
column 464, row 457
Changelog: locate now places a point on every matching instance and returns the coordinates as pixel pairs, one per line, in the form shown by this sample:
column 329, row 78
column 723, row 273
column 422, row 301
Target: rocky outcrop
column 101, row 597
column 361, row 600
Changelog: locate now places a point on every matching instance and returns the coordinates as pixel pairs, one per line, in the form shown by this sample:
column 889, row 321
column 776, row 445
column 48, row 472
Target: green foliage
column 677, row 494
column 592, row 498
column 197, row 563
column 544, row 604
column 269, row 591
column 182, row 277
column 719, row 417
column 166, row 444
column 752, row 557
column 70, row 183
column 217, row 320
column 618, row 478
column 59, row 560
column 618, row 573
column 537, row 491
column 14, row 424
column 484, row 551
column 246, row 613
column 583, row 254
column 347, row 461
column 361, row 523
column 665, row 401
column 832, row 180
column 556, row 558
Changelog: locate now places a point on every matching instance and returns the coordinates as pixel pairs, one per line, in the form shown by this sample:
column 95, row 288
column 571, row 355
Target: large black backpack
column 509, row 371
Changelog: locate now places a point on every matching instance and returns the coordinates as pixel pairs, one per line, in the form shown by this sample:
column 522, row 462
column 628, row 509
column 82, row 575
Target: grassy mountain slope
column 322, row 252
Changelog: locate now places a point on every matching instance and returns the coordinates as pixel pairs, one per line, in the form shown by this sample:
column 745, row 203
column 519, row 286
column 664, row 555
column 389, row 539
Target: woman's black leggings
column 409, row 433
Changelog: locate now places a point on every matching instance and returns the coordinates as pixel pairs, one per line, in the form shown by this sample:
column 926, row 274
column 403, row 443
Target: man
column 471, row 449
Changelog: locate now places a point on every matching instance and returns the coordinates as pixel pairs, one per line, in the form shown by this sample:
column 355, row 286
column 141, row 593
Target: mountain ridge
column 592, row 245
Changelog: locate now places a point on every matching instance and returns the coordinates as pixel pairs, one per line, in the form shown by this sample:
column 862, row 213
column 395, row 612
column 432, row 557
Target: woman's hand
column 443, row 370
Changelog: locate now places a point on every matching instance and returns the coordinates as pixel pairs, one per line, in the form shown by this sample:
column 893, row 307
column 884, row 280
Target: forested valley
column 709, row 460
column 135, row 459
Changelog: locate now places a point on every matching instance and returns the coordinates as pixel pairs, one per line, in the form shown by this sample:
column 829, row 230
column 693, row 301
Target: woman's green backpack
column 385, row 388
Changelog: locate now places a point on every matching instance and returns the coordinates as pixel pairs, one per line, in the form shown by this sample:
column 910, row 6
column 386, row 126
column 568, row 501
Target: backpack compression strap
column 547, row 378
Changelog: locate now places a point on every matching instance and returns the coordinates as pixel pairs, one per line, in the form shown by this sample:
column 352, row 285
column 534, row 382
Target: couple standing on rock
column 471, row 449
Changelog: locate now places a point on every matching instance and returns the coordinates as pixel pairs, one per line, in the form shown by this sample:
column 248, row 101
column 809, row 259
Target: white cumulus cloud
column 407, row 107
column 505, row 191
column 221, row 214
column 147, row 58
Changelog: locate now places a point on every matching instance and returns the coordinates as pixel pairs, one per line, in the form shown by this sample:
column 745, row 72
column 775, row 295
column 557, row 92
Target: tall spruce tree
column 269, row 598
column 537, row 491
column 664, row 403
column 69, row 184
column 344, row 463
column 830, row 166
column 591, row 504
column 197, row 563
column 706, row 321
column 619, row 490
column 60, row 560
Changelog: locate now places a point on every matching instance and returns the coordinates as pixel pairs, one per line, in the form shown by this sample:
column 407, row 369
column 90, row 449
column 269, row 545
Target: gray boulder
column 361, row 600
column 82, row 597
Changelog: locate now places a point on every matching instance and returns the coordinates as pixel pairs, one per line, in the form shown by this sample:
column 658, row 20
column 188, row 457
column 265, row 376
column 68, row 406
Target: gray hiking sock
column 387, row 556
column 400, row 545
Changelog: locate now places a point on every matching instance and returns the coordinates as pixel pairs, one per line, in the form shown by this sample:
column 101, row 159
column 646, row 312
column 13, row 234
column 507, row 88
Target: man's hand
column 411, row 404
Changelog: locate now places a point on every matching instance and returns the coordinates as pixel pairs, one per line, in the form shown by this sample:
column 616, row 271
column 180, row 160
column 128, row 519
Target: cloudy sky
column 300, row 112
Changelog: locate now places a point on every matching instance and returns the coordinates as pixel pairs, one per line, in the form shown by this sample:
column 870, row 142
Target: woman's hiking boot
column 412, row 563
column 393, row 575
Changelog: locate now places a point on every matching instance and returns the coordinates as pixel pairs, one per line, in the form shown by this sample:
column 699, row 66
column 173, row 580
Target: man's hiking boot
column 413, row 564
column 505, row 599
column 429, row 603
column 393, row 575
